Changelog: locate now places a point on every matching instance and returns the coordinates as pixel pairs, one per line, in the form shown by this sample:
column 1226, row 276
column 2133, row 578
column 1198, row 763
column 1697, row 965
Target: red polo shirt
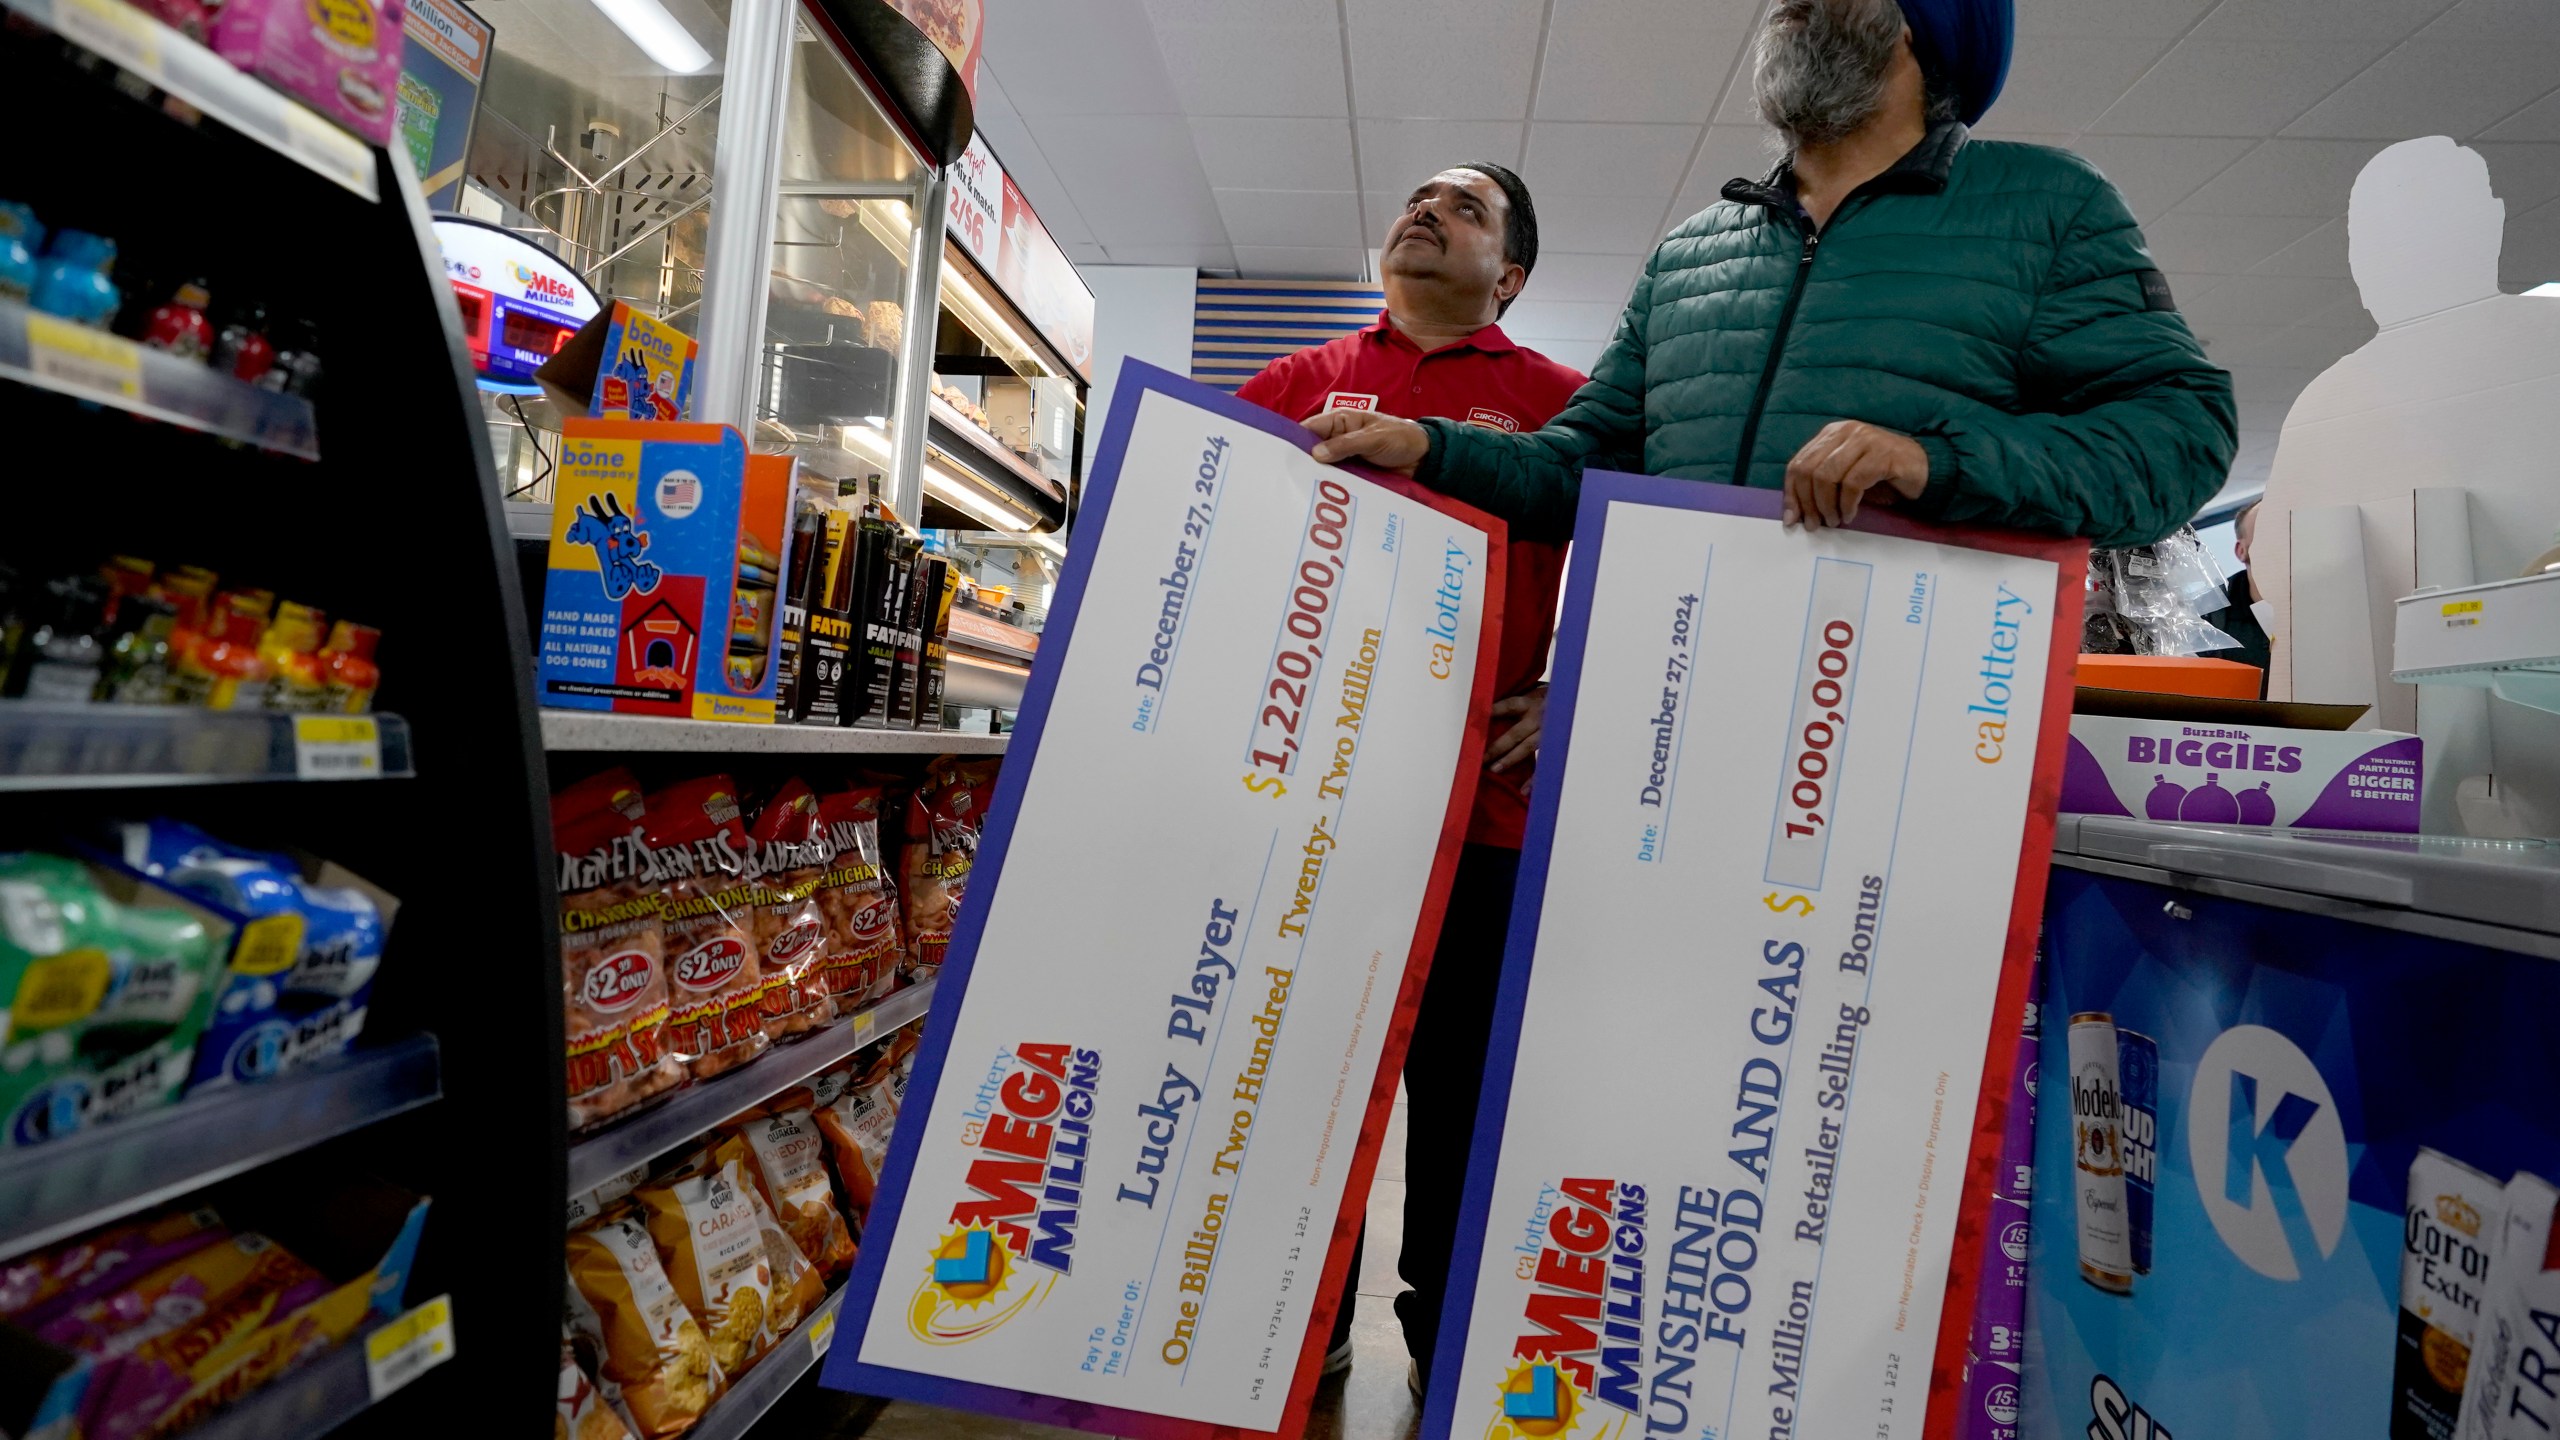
column 1484, row 379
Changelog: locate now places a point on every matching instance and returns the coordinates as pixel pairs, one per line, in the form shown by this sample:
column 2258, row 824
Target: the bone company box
column 2227, row 774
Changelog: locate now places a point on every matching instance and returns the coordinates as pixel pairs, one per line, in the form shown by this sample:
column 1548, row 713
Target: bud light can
column 2138, row 1096
column 2097, row 1154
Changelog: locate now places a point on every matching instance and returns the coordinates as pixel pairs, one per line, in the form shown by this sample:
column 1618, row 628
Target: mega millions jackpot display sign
column 1125, row 1189
column 1775, row 924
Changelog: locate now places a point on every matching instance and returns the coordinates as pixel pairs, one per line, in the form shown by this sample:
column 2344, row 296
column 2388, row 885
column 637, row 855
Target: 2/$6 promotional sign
column 1115, row 1197
column 1775, row 897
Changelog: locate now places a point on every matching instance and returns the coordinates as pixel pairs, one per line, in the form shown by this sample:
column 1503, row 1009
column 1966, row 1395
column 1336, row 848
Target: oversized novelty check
column 1773, row 897
column 1171, row 1012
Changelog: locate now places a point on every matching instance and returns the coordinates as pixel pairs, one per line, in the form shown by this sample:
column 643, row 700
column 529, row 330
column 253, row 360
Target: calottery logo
column 1575, row 1371
column 1013, row 1236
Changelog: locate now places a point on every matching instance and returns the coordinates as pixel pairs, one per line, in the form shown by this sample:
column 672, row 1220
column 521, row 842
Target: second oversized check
column 1772, row 874
column 1112, row 1199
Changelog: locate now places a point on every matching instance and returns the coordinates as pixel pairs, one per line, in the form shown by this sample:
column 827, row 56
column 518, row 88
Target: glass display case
column 594, row 139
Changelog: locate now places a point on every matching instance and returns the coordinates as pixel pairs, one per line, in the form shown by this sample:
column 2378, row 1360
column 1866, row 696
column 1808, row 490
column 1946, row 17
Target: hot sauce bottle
column 179, row 326
column 349, row 675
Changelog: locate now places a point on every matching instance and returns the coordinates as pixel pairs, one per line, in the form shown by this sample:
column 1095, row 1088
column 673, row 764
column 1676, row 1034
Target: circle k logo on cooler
column 616, row 983
column 2263, row 1137
column 707, row 965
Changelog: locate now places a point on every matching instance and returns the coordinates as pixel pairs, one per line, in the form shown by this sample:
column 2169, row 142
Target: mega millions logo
column 1013, row 1235
column 1575, row 1364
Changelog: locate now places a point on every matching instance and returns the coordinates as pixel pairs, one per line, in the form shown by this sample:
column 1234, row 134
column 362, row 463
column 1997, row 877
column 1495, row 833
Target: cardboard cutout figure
column 2459, row 392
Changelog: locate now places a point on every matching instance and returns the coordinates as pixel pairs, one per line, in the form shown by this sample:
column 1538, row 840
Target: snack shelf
column 734, row 1414
column 969, row 434
column 46, row 746
column 182, row 67
column 104, row 369
column 693, row 1110
column 2502, row 636
column 65, row 1186
column 317, row 1397
column 595, row 730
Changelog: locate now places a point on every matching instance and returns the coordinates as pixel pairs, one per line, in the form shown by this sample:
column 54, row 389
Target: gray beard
column 1820, row 67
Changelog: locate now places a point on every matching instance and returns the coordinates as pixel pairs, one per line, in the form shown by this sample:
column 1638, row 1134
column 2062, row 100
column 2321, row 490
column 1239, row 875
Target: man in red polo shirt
column 1455, row 256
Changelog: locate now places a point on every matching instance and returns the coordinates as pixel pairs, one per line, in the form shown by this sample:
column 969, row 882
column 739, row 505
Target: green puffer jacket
column 1993, row 301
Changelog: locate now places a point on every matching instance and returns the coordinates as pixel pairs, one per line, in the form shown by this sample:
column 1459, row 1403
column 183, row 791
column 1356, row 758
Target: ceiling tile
column 1291, row 217
column 2532, row 255
column 1639, row 60
column 2273, row 300
column 1254, row 69
column 2307, row 347
column 1606, row 279
column 2537, row 121
column 2286, row 177
column 1274, row 152
column 1602, row 224
column 1299, row 262
column 1094, row 58
column 1577, row 319
column 2154, row 172
column 2101, row 19
column 1444, row 59
column 1010, row 137
column 2292, row 20
column 2523, row 175
column 2493, row 22
column 1580, row 159
column 2225, row 344
column 2221, row 244
column 1236, row 12
column 2234, row 88
column 2268, row 391
column 2061, row 85
column 2435, row 87
column 1397, row 155
column 1135, row 178
column 1199, row 257
column 2322, row 252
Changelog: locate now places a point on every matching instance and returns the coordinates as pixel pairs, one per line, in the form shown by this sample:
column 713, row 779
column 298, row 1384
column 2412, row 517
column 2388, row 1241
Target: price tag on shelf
column 866, row 1023
column 409, row 1346
column 336, row 747
column 326, row 148
column 81, row 358
column 822, row 1333
column 115, row 30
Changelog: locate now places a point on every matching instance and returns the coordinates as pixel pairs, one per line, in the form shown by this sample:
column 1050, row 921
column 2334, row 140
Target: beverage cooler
column 2295, row 1138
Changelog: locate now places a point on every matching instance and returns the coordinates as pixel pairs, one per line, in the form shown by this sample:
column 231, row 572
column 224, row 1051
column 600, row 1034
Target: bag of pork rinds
column 698, row 841
column 943, row 816
column 580, row 1411
column 797, row 1286
column 705, row 1228
column 612, row 951
column 789, row 1164
column 650, row 1346
column 792, row 855
column 859, row 901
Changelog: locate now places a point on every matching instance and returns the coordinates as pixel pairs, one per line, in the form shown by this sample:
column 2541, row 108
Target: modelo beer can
column 2097, row 1153
column 2138, row 1096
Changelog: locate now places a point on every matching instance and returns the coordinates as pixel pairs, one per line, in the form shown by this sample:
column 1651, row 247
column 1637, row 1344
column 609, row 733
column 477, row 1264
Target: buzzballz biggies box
column 647, row 371
column 2228, row 774
column 665, row 557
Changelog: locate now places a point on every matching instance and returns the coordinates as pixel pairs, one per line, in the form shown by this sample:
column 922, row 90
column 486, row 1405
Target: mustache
column 1819, row 67
column 1420, row 220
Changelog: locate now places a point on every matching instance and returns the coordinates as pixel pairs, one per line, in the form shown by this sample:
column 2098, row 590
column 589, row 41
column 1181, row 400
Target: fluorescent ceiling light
column 657, row 34
column 2548, row 290
column 961, row 496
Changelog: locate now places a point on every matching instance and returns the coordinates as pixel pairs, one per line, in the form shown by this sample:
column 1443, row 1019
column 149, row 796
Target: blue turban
column 1963, row 48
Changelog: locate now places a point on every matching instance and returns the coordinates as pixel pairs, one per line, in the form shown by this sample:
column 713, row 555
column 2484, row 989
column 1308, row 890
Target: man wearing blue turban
column 1971, row 330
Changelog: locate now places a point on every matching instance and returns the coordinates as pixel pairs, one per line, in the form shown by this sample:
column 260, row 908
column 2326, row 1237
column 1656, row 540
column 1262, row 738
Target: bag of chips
column 652, row 1348
column 612, row 951
column 588, row 1206
column 705, row 1229
column 792, row 856
column 857, row 1124
column 788, row 1158
column 797, row 1287
column 35, row 1288
column 181, row 1327
column 859, row 902
column 699, row 844
column 943, row 816
column 581, row 1412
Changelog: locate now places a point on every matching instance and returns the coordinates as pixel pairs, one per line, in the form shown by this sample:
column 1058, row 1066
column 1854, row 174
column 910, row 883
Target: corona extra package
column 666, row 546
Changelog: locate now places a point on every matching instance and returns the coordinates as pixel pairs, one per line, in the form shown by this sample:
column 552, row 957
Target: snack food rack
column 369, row 496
